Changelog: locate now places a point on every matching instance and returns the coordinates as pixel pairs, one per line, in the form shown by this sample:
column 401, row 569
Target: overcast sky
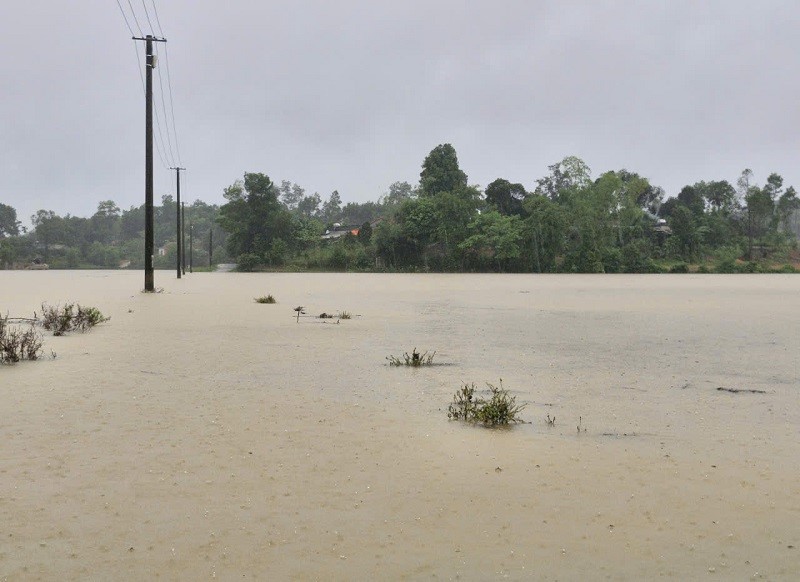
column 352, row 96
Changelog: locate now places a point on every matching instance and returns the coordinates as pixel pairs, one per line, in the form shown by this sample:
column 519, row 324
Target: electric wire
column 163, row 147
column 172, row 104
column 169, row 84
column 147, row 15
column 158, row 20
column 125, row 18
column 164, row 109
column 144, row 91
column 136, row 20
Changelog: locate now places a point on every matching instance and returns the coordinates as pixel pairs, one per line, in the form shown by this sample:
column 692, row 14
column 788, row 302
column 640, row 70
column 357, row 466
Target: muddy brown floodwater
column 201, row 435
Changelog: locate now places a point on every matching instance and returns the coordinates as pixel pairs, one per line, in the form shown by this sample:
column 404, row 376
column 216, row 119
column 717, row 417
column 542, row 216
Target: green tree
column 440, row 171
column 719, row 195
column 308, row 206
column 365, row 234
column 332, row 208
column 398, row 192
column 692, row 198
column 9, row 225
column 291, row 194
column 495, row 237
column 544, row 230
column 104, row 224
column 569, row 175
column 506, row 197
column 787, row 205
column 252, row 216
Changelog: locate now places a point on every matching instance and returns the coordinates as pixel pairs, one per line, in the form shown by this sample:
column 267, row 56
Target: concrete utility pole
column 178, row 218
column 150, row 64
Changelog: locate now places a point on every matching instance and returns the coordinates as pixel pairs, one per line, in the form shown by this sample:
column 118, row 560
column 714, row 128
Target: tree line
column 569, row 221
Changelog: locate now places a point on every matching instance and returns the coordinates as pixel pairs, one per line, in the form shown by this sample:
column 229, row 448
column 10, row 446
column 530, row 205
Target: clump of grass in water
column 345, row 315
column 500, row 409
column 70, row 317
column 415, row 359
column 17, row 344
column 265, row 299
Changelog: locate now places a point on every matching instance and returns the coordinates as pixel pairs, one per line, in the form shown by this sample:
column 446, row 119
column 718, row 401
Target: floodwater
column 200, row 435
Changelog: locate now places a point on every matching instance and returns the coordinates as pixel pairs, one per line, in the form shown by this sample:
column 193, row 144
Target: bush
column 787, row 268
column 679, row 268
column 500, row 409
column 247, row 262
column 265, row 299
column 17, row 344
column 415, row 359
column 71, row 317
column 725, row 259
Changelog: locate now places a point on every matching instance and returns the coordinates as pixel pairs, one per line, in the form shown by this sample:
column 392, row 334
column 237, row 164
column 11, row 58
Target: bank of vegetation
column 569, row 221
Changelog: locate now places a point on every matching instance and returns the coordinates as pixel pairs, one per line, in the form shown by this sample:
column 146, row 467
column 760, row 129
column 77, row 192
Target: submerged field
column 199, row 434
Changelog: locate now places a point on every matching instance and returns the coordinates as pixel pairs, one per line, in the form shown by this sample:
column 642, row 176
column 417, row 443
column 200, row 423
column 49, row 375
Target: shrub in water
column 17, row 344
column 500, row 409
column 70, row 317
column 415, row 359
column 265, row 299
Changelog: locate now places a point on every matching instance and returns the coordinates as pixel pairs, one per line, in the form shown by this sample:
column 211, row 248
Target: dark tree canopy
column 9, row 225
column 505, row 196
column 440, row 172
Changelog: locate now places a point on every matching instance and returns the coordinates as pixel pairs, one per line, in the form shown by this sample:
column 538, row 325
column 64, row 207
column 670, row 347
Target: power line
column 164, row 109
column 158, row 127
column 171, row 103
column 147, row 14
column 136, row 20
column 125, row 18
column 155, row 11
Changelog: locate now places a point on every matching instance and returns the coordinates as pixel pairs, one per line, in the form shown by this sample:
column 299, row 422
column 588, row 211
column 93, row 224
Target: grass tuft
column 499, row 409
column 415, row 359
column 265, row 299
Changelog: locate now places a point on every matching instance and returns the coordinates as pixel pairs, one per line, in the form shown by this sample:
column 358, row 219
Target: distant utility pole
column 183, row 237
column 191, row 251
column 150, row 64
column 210, row 244
column 178, row 219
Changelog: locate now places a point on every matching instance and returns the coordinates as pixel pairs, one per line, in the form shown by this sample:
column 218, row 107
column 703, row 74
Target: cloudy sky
column 352, row 95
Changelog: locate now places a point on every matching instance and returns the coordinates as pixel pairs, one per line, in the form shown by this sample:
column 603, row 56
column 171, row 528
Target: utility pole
column 191, row 251
column 183, row 237
column 178, row 218
column 150, row 64
column 210, row 244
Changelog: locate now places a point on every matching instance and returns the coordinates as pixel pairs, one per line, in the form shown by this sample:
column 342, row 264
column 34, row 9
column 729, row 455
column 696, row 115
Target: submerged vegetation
column 269, row 299
column 70, row 317
column 21, row 340
column 499, row 409
column 414, row 360
column 19, row 343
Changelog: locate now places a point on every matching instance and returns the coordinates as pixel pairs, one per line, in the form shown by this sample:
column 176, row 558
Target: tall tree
column 440, row 171
column 570, row 174
column 9, row 225
column 252, row 216
column 398, row 191
column 291, row 194
column 332, row 208
column 506, row 197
